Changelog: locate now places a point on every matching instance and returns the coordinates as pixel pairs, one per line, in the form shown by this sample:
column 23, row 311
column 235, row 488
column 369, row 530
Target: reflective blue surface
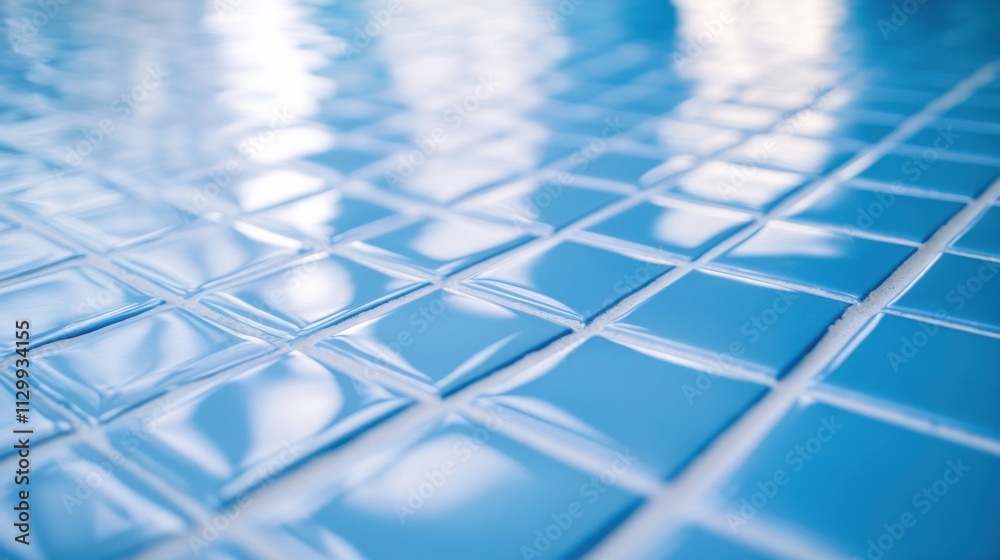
column 535, row 279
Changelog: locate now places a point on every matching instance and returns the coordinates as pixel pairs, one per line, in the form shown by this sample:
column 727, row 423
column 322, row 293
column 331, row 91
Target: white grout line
column 728, row 452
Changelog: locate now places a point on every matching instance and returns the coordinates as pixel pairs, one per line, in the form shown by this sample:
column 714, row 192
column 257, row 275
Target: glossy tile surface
column 222, row 464
column 474, row 465
column 548, row 279
column 900, row 360
column 627, row 401
column 830, row 461
column 839, row 263
column 733, row 322
column 288, row 264
column 444, row 340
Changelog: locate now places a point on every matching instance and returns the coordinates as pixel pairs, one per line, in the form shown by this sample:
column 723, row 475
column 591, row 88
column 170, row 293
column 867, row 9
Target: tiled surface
column 511, row 280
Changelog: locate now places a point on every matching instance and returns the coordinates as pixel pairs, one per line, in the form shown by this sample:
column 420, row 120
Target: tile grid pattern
column 796, row 380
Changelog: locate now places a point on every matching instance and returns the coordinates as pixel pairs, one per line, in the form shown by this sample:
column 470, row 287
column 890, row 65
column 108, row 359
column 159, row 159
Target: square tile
column 943, row 134
column 24, row 251
column 789, row 152
column 443, row 341
column 485, row 477
column 852, row 266
column 442, row 246
column 126, row 222
column 982, row 237
column 933, row 174
column 236, row 451
column 821, row 462
column 328, row 216
column 68, row 303
column 614, row 398
column 109, row 371
column 619, row 167
column 207, row 253
column 309, row 296
column 543, row 202
column 957, row 288
column 58, row 195
column 44, row 421
column 569, row 279
column 114, row 517
column 892, row 213
column 900, row 361
column 744, row 187
column 733, row 321
column 252, row 191
column 688, row 230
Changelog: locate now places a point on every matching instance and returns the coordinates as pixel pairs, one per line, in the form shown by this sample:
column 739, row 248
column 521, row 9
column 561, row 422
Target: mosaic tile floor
column 501, row 279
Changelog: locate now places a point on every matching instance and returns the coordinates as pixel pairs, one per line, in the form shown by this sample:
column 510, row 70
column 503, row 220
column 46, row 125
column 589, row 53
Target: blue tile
column 346, row 160
column 298, row 300
column 847, row 265
column 745, row 187
column 619, row 167
column 62, row 194
column 960, row 289
column 733, row 321
column 890, row 213
column 694, row 543
column 318, row 408
column 626, row 400
column 789, row 153
column 127, row 222
column 206, row 253
column 44, row 422
column 87, row 507
column 533, row 201
column 683, row 229
column 444, row 341
column 328, row 216
column 109, row 371
column 830, row 126
column 248, row 192
column 821, row 462
column 688, row 137
column 933, row 174
column 550, row 279
column 24, row 252
column 983, row 237
column 441, row 179
column 942, row 135
column 461, row 490
column 68, row 303
column 442, row 245
column 900, row 361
